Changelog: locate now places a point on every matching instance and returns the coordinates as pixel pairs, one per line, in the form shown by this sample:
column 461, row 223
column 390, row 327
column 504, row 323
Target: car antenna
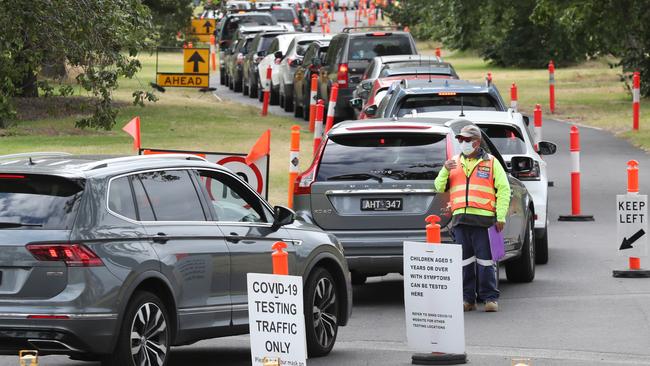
column 461, row 107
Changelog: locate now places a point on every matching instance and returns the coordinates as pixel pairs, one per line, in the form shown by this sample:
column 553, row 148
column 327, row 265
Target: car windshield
column 398, row 156
column 413, row 68
column 283, row 15
column 265, row 43
column 38, row 201
column 414, row 104
column 366, row 48
column 507, row 139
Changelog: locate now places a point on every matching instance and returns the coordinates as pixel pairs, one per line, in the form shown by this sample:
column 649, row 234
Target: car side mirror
column 546, row 148
column 366, row 86
column 356, row 103
column 371, row 110
column 282, row 216
column 278, row 54
column 296, row 62
column 261, row 53
column 521, row 164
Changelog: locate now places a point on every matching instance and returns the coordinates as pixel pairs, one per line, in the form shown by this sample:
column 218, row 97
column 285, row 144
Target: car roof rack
column 125, row 159
column 387, row 27
column 37, row 154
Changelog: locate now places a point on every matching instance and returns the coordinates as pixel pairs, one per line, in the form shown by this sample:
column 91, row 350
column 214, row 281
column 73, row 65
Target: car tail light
column 447, row 94
column 342, row 76
column 56, row 317
column 74, row 255
column 534, row 173
column 11, row 176
column 305, row 179
column 296, row 22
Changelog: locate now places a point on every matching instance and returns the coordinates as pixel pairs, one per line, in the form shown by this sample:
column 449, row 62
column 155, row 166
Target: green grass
column 181, row 119
column 590, row 93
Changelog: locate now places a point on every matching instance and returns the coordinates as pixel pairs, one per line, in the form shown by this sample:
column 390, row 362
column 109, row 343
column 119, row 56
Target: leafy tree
column 101, row 37
column 169, row 17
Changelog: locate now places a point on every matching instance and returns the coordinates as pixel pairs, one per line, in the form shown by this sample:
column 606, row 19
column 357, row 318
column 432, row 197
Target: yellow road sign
column 202, row 26
column 196, row 60
column 183, row 80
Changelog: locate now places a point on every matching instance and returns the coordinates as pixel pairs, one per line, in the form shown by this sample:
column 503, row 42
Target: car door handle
column 160, row 238
column 233, row 238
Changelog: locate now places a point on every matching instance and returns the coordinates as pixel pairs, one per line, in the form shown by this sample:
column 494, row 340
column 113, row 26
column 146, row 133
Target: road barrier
column 213, row 53
column 551, row 86
column 632, row 225
column 433, row 229
column 267, row 91
column 537, row 117
column 574, row 138
column 280, row 258
column 488, row 79
column 345, row 16
column 438, row 53
column 318, row 128
column 636, row 99
column 294, row 161
column 312, row 102
column 331, row 107
column 513, row 96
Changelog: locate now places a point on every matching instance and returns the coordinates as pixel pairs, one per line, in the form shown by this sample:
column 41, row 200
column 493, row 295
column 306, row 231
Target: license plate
column 381, row 204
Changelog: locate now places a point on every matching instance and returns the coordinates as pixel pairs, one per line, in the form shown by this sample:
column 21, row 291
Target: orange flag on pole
column 262, row 147
column 133, row 129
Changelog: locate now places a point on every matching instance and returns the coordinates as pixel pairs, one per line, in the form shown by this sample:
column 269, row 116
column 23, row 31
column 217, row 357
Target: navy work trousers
column 477, row 257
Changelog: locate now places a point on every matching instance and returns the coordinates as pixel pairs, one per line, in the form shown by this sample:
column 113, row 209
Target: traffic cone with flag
column 133, row 129
column 261, row 148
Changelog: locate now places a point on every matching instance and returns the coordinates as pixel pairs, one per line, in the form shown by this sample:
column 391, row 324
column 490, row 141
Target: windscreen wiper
column 4, row 225
column 353, row 176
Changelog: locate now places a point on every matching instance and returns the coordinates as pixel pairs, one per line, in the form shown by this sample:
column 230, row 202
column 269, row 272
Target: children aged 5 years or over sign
column 433, row 297
column 276, row 320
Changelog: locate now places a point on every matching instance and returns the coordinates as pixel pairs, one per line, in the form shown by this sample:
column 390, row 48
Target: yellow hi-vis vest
column 477, row 190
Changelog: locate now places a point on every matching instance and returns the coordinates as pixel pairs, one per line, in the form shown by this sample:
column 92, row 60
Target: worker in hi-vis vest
column 480, row 195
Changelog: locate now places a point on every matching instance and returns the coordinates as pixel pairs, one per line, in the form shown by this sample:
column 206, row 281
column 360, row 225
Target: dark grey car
column 371, row 185
column 120, row 259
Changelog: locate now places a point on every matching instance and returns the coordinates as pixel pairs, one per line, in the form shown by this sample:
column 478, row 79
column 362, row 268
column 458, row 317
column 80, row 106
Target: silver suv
column 120, row 259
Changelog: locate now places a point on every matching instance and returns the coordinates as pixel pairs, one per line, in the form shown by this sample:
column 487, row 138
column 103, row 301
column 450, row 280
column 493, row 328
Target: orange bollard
column 280, row 258
column 312, row 102
column 513, row 97
column 267, row 92
column 213, row 53
column 438, row 53
column 433, row 229
column 574, row 148
column 318, row 128
column 294, row 160
column 331, row 108
column 633, row 188
column 537, row 118
column 488, row 79
column 190, row 45
column 551, row 86
column 636, row 99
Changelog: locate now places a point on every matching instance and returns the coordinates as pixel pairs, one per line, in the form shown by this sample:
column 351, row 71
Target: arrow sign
column 196, row 59
column 207, row 26
column 627, row 243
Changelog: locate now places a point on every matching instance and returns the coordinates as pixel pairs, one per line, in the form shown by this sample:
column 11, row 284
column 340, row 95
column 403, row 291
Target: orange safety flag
column 133, row 129
column 262, row 147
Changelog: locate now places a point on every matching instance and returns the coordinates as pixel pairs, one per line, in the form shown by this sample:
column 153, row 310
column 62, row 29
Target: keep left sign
column 632, row 224
column 276, row 319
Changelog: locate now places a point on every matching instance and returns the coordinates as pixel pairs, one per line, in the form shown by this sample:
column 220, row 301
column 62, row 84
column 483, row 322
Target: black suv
column 119, row 259
column 349, row 55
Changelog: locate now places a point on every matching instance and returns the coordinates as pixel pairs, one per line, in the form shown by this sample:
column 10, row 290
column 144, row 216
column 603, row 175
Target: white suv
column 511, row 136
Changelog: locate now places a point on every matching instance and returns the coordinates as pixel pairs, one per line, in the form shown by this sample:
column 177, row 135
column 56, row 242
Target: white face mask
column 466, row 148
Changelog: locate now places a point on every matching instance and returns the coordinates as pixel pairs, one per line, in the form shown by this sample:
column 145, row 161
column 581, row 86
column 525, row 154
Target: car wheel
column 238, row 84
column 222, row 76
column 275, row 95
column 244, row 87
column 297, row 111
column 260, row 93
column 541, row 247
column 145, row 335
column 321, row 312
column 288, row 103
column 305, row 106
column 522, row 269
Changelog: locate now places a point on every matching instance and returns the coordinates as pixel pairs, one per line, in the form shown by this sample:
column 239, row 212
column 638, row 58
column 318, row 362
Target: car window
column 265, row 43
column 330, row 59
column 379, row 97
column 275, row 46
column 309, row 55
column 399, row 156
column 322, row 53
column 507, row 139
column 142, row 202
column 120, row 198
column 283, row 15
column 370, row 69
column 302, row 47
column 367, row 48
column 231, row 199
column 172, row 195
column 46, row 202
column 445, row 102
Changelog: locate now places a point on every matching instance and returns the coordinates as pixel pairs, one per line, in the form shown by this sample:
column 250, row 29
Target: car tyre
column 297, row 111
column 238, row 85
column 288, row 103
column 146, row 316
column 541, row 247
column 222, row 76
column 260, row 93
column 522, row 269
column 275, row 95
column 244, row 88
column 321, row 312
column 305, row 106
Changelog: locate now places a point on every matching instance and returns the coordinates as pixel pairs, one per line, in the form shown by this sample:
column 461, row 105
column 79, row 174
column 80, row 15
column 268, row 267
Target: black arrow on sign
column 196, row 58
column 627, row 243
column 207, row 26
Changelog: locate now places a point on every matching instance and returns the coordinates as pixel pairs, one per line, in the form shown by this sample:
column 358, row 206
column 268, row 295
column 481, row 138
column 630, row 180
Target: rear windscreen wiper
column 4, row 225
column 353, row 176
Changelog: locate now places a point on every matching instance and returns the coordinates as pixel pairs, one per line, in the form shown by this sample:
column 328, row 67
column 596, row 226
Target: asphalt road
column 574, row 313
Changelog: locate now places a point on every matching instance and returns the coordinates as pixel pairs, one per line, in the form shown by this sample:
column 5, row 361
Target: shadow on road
column 218, row 355
column 380, row 293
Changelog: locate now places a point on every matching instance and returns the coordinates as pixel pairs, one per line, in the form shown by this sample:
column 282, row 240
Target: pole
column 636, row 99
column 633, row 188
column 267, row 92
column 312, row 102
column 551, row 86
column 294, row 160
column 213, row 53
column 318, row 129
column 538, row 125
column 513, row 97
column 574, row 140
column 331, row 108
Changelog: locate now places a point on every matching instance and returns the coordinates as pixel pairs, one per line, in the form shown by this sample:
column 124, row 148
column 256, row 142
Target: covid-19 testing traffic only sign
column 276, row 320
column 632, row 225
column 433, row 297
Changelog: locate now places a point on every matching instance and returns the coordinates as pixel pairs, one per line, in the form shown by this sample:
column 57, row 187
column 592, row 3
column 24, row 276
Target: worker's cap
column 471, row 131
